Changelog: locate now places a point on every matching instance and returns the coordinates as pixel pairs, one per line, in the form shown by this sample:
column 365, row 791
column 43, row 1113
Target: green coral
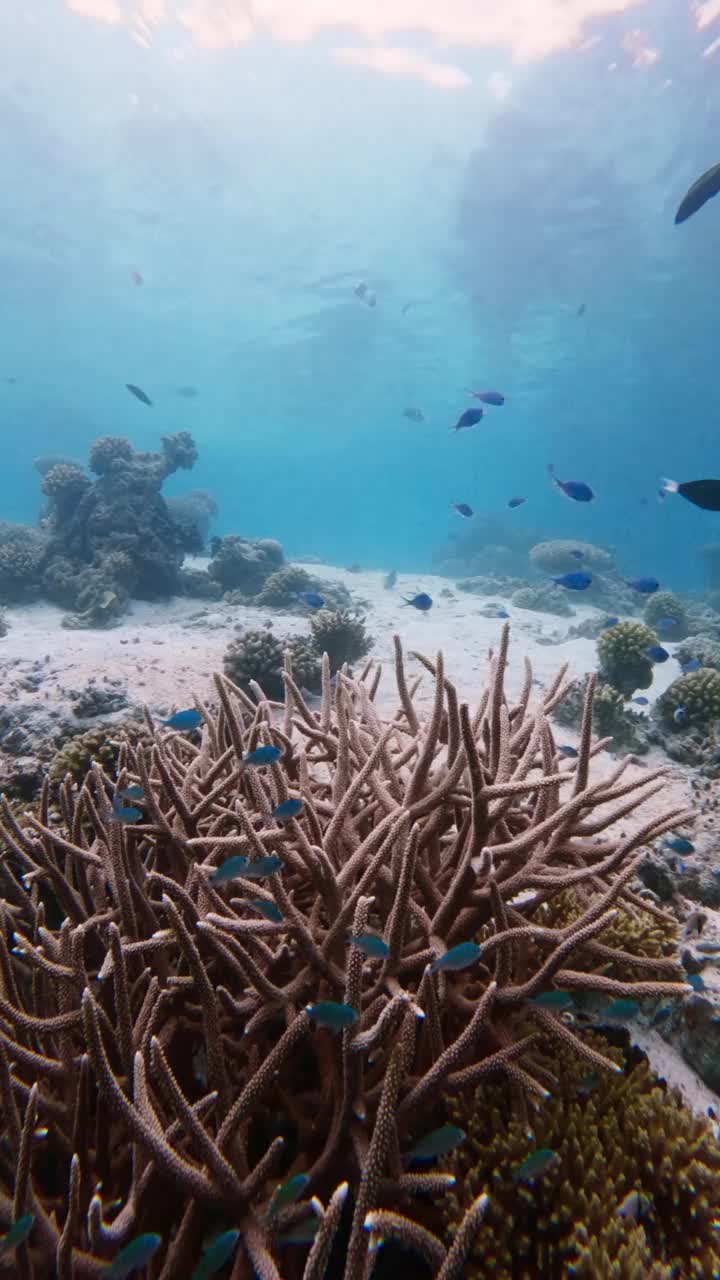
column 698, row 694
column 340, row 635
column 256, row 655
column 622, row 651
column 665, row 606
column 613, row 1134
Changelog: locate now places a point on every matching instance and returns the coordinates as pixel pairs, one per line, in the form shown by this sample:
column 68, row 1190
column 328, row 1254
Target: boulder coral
column 665, row 607
column 622, row 651
column 556, row 556
column 698, row 695
column 240, row 564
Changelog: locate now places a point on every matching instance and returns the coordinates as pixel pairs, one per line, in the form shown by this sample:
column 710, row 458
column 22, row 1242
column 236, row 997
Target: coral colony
column 258, row 985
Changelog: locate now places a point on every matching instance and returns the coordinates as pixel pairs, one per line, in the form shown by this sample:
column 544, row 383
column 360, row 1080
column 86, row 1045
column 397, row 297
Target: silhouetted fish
column 488, row 397
column 706, row 186
column 469, row 418
column 138, row 393
column 575, row 489
column 702, row 493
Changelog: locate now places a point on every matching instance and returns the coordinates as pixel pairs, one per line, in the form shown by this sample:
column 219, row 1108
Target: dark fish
column 645, row 586
column 423, row 602
column 575, row 489
column 679, row 844
column 586, row 1085
column 707, row 948
column 18, row 1233
column 390, row 580
column 123, row 812
column 360, row 290
column 516, row 502
column 462, row 509
column 133, row 1256
column 641, row 700
column 469, row 418
column 262, row 755
column 610, row 622
column 535, row 1166
column 189, row 393
column 501, row 613
column 556, row 1001
column 488, row 397
column 301, row 1233
column 370, row 943
column 216, row 1254
column 354, row 568
column 311, row 599
column 138, row 393
column 288, row 809
column 695, row 981
column 667, row 624
column 414, row 415
column 136, row 276
column 332, row 1016
column 656, row 653
column 184, row 720
column 577, row 555
column 706, row 186
column 570, row 752
column 692, row 664
column 251, row 869
column 702, row 493
column 458, row 957
column 270, row 910
column 438, row 1143
column 574, row 581
column 287, row 1193
column 680, row 715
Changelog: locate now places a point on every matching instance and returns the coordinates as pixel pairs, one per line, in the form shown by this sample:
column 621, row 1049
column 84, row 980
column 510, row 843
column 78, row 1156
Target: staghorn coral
column 622, row 651
column 611, row 718
column 663, row 606
column 624, row 1132
column 340, row 635
column 556, row 556
column 161, row 1033
column 698, row 693
column 545, row 598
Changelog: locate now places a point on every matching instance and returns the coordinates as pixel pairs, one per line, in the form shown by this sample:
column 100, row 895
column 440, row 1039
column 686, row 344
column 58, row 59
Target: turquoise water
column 496, row 175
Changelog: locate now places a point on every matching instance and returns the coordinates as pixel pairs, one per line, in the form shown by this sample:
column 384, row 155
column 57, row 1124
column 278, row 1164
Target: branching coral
column 624, row 662
column 613, row 1135
column 340, row 635
column 166, row 1034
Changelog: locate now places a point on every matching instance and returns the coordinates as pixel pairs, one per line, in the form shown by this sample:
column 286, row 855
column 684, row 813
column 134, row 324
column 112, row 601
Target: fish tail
column 670, row 486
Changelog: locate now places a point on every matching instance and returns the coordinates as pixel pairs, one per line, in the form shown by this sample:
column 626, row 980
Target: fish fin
column 670, row 486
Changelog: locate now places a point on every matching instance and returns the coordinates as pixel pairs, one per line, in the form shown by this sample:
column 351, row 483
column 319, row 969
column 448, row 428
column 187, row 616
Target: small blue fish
column 645, row 586
column 459, row 957
column 125, row 812
column 575, row 489
column 535, row 1165
column 255, row 869
column 18, row 1233
column 423, row 602
column 463, row 509
column 469, row 418
column 332, row 1016
column 488, row 397
column 370, row 943
column 667, row 624
column 438, row 1143
column 556, row 1001
column 692, row 664
column 288, row 809
column 262, row 755
column 695, row 981
column 620, row 1010
column 662, row 1014
column 609, row 622
column 216, row 1254
column 288, row 1193
column 680, row 715
column 570, row 752
column 133, row 1256
column 516, row 502
column 573, row 581
column 301, row 1232
column 184, row 720
column 641, row 700
column 311, row 599
column 679, row 844
column 133, row 792
column 270, row 910
column 656, row 653
column 587, row 1084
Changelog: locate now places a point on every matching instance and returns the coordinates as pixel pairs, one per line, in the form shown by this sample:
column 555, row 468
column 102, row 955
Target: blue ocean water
column 505, row 186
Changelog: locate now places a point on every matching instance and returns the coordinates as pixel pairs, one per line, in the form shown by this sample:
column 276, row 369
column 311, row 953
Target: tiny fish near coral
column 216, row 1254
column 251, row 869
column 138, row 393
column 370, row 943
column 535, row 1165
column 644, row 586
column 573, row 581
column 438, row 1143
column 469, row 418
column 423, row 602
column 656, row 653
column 457, row 958
column 516, row 502
column 463, row 509
column 312, row 599
column 291, row 808
column 331, row 1015
column 18, row 1233
column 270, row 910
column 287, row 1193
column 136, row 1254
column 488, row 397
column 183, row 721
column 261, row 756
column 575, row 489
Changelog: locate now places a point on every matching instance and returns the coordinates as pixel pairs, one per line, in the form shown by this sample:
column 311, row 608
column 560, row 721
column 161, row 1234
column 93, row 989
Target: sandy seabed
column 161, row 654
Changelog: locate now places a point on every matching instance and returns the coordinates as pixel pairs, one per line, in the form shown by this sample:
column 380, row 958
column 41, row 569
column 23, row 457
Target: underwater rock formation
column 486, row 546
column 545, row 598
column 22, row 552
column 240, row 564
column 665, row 607
column 622, row 651
column 187, row 1040
column 191, row 514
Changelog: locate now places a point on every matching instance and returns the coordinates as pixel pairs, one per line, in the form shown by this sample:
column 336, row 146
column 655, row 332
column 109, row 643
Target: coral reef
column 666, row 607
column 611, row 718
column 280, row 590
column 101, row 744
column 545, row 597
column 486, row 545
column 612, row 1134
column 698, row 694
column 556, row 557
column 191, row 514
column 622, row 651
column 305, row 662
column 341, row 635
column 492, row 585
column 168, row 1029
column 241, row 565
column 702, row 648
column 257, row 657
column 22, row 553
